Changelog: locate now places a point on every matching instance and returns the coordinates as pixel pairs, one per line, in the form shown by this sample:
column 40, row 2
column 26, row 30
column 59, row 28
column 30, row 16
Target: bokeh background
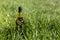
column 41, row 19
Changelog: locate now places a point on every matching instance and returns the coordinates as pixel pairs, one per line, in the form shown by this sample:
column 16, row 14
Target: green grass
column 41, row 17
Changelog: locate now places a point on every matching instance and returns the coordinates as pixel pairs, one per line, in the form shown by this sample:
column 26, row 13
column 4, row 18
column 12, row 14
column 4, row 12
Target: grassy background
column 41, row 17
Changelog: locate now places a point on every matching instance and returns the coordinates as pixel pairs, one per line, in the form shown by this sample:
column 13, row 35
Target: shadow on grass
column 11, row 34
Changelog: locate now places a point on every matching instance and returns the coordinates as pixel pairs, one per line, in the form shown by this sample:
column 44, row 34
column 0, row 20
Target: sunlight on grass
column 41, row 19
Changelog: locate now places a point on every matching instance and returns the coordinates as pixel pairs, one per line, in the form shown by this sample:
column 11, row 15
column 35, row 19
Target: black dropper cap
column 19, row 9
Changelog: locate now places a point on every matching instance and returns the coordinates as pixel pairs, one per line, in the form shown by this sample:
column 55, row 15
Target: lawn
column 41, row 19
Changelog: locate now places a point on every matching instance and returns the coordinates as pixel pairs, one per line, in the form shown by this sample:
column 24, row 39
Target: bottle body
column 19, row 20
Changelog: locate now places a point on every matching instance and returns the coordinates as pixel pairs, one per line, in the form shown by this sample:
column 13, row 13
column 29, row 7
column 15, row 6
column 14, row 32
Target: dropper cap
column 19, row 9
